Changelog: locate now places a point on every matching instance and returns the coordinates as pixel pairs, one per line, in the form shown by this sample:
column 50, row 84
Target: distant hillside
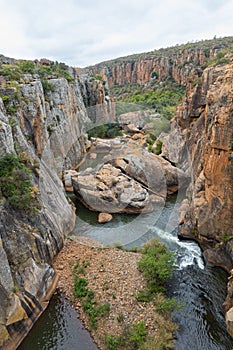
column 159, row 78
column 181, row 62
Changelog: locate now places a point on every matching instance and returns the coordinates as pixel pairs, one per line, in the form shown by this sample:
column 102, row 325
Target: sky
column 86, row 32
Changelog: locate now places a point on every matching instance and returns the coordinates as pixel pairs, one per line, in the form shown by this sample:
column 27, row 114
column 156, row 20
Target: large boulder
column 107, row 189
column 154, row 172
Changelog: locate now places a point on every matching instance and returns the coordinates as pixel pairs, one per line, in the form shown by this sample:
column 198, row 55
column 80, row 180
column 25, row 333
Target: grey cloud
column 85, row 32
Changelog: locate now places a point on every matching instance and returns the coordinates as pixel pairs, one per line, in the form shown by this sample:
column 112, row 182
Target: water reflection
column 58, row 329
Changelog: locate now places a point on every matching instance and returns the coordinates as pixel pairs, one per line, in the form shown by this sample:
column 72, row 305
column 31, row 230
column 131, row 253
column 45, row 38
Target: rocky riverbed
column 113, row 276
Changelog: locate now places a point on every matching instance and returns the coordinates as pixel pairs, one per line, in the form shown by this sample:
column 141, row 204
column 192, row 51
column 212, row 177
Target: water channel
column 200, row 289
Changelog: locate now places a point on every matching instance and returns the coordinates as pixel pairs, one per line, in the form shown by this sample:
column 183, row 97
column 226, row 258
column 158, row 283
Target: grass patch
column 132, row 338
column 87, row 297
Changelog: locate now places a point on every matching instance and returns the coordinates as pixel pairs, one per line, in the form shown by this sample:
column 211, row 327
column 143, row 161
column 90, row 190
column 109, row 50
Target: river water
column 200, row 289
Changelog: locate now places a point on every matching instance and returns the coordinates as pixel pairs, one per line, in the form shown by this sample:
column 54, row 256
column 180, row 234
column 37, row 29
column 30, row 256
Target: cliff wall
column 42, row 123
column 184, row 63
column 201, row 142
column 208, row 135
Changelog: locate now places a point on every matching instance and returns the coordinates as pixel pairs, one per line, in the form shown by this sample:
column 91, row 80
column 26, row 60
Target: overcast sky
column 84, row 32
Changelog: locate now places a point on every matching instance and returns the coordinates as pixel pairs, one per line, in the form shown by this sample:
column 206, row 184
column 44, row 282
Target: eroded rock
column 107, row 189
column 104, row 218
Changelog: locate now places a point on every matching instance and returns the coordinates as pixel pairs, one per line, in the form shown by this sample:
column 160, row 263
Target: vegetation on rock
column 86, row 296
column 156, row 265
column 163, row 99
column 108, row 130
column 15, row 72
column 220, row 44
column 15, row 183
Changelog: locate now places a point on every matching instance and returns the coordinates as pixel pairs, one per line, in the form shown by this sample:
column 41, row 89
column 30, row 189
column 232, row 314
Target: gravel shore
column 113, row 276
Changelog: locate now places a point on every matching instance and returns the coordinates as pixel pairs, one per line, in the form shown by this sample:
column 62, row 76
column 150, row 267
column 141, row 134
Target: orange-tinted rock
column 184, row 65
column 104, row 217
column 210, row 213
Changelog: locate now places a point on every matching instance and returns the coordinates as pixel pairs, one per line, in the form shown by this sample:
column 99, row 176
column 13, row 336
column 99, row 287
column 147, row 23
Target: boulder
column 136, row 118
column 154, row 172
column 131, row 128
column 109, row 190
column 67, row 180
column 229, row 321
column 104, row 217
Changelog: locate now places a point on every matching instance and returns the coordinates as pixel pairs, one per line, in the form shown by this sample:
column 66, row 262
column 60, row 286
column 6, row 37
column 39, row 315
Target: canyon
column 46, row 131
column 46, row 127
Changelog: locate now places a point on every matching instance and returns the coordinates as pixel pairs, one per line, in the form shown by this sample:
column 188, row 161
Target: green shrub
column 15, row 183
column 158, row 147
column 156, row 265
column 164, row 305
column 223, row 60
column 10, row 72
column 60, row 69
column 27, row 67
column 219, row 59
column 132, row 338
column 47, row 86
column 113, row 342
column 98, row 77
column 108, row 130
column 11, row 102
column 15, row 289
column 137, row 335
column 80, row 287
column 150, row 148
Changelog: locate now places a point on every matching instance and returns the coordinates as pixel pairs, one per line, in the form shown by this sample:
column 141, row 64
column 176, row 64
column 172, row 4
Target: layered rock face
column 202, row 140
column 183, row 64
column 99, row 105
column 45, row 128
column 209, row 213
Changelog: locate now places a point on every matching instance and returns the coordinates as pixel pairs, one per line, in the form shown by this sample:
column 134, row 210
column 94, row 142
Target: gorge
column 45, row 110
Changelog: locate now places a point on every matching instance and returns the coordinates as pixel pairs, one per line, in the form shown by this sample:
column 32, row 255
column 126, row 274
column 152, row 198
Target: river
column 200, row 289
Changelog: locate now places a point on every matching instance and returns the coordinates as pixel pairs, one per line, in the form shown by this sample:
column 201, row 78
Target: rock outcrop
column 42, row 122
column 107, row 189
column 128, row 179
column 202, row 140
column 209, row 216
column 183, row 63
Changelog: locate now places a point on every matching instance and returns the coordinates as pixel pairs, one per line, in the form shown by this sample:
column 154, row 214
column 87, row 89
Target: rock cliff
column 208, row 135
column 183, row 63
column 202, row 142
column 42, row 123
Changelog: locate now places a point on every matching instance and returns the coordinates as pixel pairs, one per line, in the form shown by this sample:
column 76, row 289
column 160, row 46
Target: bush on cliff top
column 14, row 72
